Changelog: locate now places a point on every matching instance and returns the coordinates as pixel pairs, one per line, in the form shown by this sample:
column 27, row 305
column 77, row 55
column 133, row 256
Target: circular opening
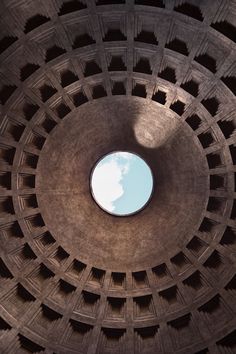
column 121, row 183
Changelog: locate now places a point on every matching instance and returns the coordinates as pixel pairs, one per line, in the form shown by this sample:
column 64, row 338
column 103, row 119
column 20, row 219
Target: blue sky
column 122, row 183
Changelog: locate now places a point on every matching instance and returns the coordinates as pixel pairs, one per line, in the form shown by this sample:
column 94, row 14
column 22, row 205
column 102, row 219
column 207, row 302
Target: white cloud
column 124, row 155
column 107, row 178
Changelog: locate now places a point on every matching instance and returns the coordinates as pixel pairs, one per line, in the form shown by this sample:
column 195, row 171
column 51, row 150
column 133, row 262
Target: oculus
column 121, row 183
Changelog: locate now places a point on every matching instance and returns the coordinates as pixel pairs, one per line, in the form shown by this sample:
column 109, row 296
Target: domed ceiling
column 82, row 78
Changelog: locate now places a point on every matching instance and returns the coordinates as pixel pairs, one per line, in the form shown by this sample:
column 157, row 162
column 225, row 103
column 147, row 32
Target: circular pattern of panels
column 56, row 60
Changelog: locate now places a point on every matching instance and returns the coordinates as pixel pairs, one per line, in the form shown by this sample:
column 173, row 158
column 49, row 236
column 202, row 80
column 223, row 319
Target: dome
column 80, row 79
